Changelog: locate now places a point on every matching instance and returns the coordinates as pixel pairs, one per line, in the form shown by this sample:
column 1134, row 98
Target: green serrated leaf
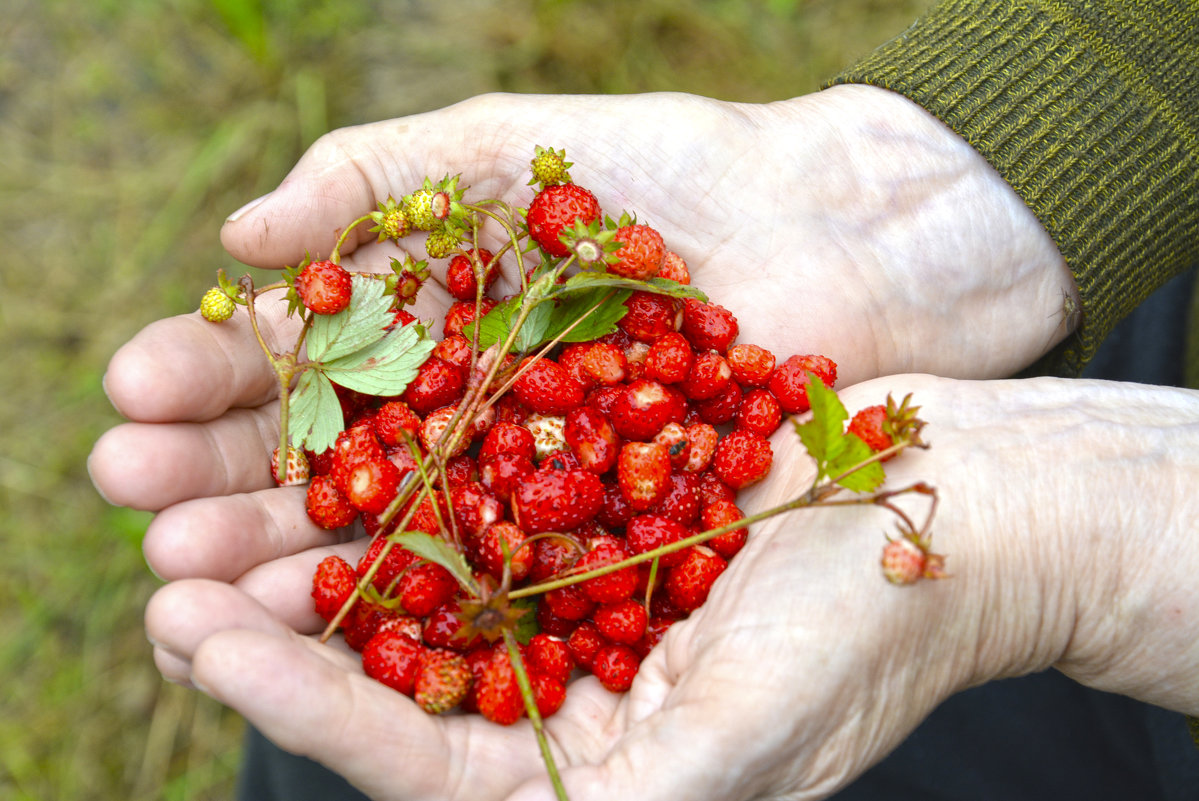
column 586, row 281
column 533, row 330
column 527, row 626
column 385, row 367
column 495, row 325
column 601, row 321
column 823, row 433
column 438, row 551
column 314, row 413
column 854, row 451
column 358, row 325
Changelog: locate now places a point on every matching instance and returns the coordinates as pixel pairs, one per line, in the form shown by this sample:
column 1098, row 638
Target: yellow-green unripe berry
column 216, row 306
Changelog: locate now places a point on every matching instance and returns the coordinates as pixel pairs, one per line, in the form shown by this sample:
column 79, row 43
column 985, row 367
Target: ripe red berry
column 869, row 425
column 501, row 536
column 547, row 388
column 751, row 364
column 708, row 326
column 669, row 358
column 555, row 209
column 643, row 473
column 326, row 506
column 789, row 381
column 650, row 316
column 644, row 407
column 759, row 412
column 689, row 582
column 550, row 656
column 622, row 621
column 549, row 693
column 742, row 458
column 460, row 277
column 709, row 374
column 389, row 567
column 333, row 583
column 371, row 484
column 614, row 586
column 393, row 659
column 424, row 587
column 718, row 515
column 442, row 681
column 645, row 532
column 496, row 692
column 592, row 438
column 556, row 500
column 394, row 421
column 324, row 287
column 437, row 383
column 641, row 253
column 584, row 643
column 616, row 666
column 675, row 268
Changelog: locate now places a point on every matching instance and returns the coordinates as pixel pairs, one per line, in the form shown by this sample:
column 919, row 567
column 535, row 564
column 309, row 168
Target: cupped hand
column 804, row 667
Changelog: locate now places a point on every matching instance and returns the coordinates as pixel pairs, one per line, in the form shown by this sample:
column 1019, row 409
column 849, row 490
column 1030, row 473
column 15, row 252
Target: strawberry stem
column 526, row 693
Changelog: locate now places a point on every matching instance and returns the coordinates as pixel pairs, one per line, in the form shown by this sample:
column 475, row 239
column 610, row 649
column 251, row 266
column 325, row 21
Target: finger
column 378, row 739
column 186, row 368
column 223, row 537
column 154, row 465
column 284, row 585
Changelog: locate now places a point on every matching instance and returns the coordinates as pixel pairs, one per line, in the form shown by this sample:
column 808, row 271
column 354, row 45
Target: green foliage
column 834, row 450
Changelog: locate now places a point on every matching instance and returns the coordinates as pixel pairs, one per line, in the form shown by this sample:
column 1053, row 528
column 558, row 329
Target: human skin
column 848, row 223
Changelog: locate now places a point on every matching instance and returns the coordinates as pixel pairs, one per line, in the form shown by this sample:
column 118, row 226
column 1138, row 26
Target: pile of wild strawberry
column 588, row 458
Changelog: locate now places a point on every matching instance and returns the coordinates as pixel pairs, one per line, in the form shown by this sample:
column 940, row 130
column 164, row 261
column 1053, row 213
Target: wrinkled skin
column 848, row 223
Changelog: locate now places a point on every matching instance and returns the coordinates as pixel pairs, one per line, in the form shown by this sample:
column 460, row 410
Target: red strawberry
column 502, row 473
column 475, row 508
column 455, row 349
column 610, row 587
column 722, row 407
column 643, row 473
column 604, row 363
column 501, row 536
column 391, row 566
column 496, row 692
column 424, row 587
column 789, row 381
column 442, row 682
column 669, row 358
column 689, row 582
column 546, row 387
column 681, row 503
column 591, row 437
column 555, row 209
column 645, row 406
column 549, row 656
column 708, row 326
column 548, row 692
column 675, row 268
column 718, row 515
column 462, row 313
column 584, row 643
column 742, row 458
column 460, row 273
column 437, row 383
column 443, row 629
column 751, row 364
column 393, row 659
column 649, row 531
column 870, row 425
column 622, row 621
column 650, row 316
column 556, row 500
column 324, row 287
column 371, row 484
column 394, row 421
column 508, row 437
column 333, row 583
column 641, row 252
column 326, row 506
column 616, row 666
column 759, row 412
column 702, row 439
column 709, row 374
column 674, row 436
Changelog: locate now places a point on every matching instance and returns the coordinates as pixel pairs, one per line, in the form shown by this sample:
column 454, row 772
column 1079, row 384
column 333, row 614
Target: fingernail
column 235, row 216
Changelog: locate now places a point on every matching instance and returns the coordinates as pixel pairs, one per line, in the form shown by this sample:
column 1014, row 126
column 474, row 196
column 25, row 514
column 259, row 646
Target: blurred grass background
column 128, row 130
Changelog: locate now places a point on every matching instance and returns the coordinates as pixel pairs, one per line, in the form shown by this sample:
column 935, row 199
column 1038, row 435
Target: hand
column 803, row 668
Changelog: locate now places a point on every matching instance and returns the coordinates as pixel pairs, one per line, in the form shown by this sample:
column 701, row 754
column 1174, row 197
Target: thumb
column 340, row 178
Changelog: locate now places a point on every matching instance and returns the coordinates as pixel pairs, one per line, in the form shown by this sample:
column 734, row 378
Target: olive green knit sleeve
column 1090, row 111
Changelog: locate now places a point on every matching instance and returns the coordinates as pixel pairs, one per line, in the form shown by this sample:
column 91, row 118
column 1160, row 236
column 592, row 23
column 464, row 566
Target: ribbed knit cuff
column 1088, row 112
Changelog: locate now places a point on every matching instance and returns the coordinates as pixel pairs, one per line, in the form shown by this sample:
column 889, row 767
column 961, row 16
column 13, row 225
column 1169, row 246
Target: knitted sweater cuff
column 1089, row 113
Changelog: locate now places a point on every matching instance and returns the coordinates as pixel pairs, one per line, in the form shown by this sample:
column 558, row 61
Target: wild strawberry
column 669, row 358
column 556, row 500
column 437, row 383
column 435, row 433
column 759, row 412
column 546, row 387
column 647, row 532
column 395, row 423
column 418, row 207
column 507, row 437
column 389, row 566
column 711, row 488
column 643, row 473
column 870, row 425
column 504, row 536
column 550, row 656
column 216, row 306
column 424, row 587
column 326, row 506
column 570, row 358
column 556, row 208
column 751, row 364
column 616, row 666
column 324, row 287
column 681, row 502
column 622, row 621
column 443, row 629
column 475, row 508
column 371, row 484
column 604, row 363
column 674, row 436
column 455, row 349
column 442, row 682
column 549, row 693
column 655, row 630
column 722, row 407
column 644, row 407
column 742, row 458
column 702, row 439
column 718, row 515
column 569, row 602
column 462, row 313
column 333, row 583
column 393, row 659
column 789, row 381
column 709, row 374
column 461, row 469
column 908, row 559
column 708, row 326
column 641, row 252
column 584, row 643
column 502, row 473
column 364, row 620
column 689, row 582
column 615, row 511
column 460, row 276
column 549, row 166
column 549, row 434
column 610, row 587
column 295, row 472
column 496, row 692
column 650, row 316
column 674, row 268
column 592, row 438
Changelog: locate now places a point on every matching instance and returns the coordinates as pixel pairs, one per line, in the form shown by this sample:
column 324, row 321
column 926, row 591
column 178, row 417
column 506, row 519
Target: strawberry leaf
column 360, row 324
column 599, row 322
column 436, row 550
column 383, row 367
column 495, row 325
column 591, row 280
column 314, row 415
column 865, row 479
column 822, row 434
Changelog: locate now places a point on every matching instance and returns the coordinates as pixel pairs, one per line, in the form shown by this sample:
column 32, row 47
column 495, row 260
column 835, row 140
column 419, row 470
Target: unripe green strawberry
column 216, row 306
column 441, row 243
column 549, row 166
column 418, row 208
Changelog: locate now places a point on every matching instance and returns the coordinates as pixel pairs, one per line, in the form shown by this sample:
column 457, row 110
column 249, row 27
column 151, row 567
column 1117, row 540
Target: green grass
column 128, row 130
